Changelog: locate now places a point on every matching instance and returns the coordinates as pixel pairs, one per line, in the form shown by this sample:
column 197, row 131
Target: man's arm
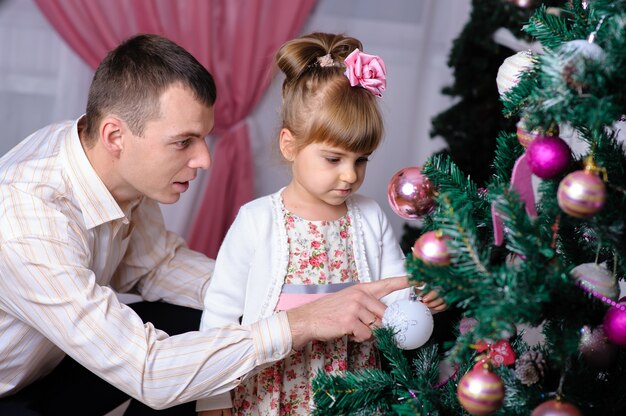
column 58, row 302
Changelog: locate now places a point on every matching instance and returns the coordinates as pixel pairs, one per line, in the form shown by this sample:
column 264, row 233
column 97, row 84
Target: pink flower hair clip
column 368, row 71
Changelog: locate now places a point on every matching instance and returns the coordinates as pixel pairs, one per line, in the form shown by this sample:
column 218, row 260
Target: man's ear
column 111, row 137
column 287, row 144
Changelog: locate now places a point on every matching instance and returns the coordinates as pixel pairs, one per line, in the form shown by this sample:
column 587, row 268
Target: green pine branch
column 514, row 100
column 508, row 150
column 550, row 29
column 449, row 179
column 367, row 392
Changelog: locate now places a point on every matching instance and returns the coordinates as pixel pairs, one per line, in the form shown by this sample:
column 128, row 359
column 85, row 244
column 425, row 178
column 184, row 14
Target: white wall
column 42, row 81
column 34, row 62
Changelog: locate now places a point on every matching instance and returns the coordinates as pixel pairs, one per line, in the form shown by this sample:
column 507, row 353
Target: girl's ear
column 287, row 144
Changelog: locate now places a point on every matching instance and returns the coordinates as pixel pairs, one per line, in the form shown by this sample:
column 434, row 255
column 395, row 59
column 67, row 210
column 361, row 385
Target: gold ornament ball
column 581, row 194
column 481, row 391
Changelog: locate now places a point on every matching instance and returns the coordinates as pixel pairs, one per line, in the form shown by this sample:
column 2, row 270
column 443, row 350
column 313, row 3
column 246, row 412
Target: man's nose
column 201, row 157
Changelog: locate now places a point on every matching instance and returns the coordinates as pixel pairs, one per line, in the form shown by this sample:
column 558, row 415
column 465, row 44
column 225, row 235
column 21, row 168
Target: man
column 79, row 218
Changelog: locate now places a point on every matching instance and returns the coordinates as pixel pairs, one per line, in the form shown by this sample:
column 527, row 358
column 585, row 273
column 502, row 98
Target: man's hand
column 352, row 311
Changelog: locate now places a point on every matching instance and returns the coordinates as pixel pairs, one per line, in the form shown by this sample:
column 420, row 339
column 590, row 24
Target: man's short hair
column 132, row 77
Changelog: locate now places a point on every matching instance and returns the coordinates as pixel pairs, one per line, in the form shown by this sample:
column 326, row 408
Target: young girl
column 316, row 235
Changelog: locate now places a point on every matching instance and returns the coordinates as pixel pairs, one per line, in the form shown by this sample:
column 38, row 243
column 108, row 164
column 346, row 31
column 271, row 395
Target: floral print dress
column 320, row 252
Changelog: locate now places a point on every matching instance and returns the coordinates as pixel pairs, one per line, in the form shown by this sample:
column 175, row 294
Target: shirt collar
column 96, row 202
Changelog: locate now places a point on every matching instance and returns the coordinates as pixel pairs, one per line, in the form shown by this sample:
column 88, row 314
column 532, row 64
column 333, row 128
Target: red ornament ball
column 480, row 391
column 615, row 323
column 556, row 408
column 410, row 193
column 548, row 156
column 431, row 248
column 581, row 194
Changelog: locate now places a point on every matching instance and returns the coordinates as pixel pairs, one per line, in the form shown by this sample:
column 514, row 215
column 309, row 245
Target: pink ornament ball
column 431, row 248
column 548, row 156
column 615, row 323
column 480, row 391
column 556, row 408
column 581, row 194
column 410, row 193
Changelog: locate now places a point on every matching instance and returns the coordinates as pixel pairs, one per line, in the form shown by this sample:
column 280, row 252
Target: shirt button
column 277, row 356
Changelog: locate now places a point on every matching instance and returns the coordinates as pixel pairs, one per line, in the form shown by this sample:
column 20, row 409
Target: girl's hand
column 434, row 302
column 216, row 412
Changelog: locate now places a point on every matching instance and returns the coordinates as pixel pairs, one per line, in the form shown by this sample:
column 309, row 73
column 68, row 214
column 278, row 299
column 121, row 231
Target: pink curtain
column 235, row 39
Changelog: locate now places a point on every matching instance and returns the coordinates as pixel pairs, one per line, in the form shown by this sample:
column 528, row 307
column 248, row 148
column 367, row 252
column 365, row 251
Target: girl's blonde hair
column 319, row 105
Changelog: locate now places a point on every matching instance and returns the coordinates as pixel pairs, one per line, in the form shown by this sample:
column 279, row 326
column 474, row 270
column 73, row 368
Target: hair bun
column 321, row 50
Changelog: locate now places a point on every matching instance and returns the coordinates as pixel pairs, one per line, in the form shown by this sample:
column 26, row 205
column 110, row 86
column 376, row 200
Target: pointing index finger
column 383, row 287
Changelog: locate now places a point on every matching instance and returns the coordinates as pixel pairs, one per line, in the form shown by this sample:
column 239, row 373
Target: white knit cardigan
column 252, row 262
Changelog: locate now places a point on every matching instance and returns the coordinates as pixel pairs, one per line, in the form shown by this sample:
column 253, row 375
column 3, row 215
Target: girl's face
column 326, row 174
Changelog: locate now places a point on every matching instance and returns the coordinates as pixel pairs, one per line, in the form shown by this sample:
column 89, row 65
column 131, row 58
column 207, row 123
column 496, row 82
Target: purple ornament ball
column 615, row 323
column 410, row 193
column 548, row 156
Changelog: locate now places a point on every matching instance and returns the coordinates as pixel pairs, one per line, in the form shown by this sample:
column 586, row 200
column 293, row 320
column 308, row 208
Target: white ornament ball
column 511, row 69
column 412, row 321
column 597, row 278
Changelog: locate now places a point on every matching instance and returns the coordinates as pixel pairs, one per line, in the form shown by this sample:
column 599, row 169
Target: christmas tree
column 474, row 120
column 492, row 33
column 514, row 256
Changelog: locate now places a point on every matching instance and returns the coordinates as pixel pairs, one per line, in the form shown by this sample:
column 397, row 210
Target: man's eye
column 332, row 159
column 182, row 143
column 363, row 160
